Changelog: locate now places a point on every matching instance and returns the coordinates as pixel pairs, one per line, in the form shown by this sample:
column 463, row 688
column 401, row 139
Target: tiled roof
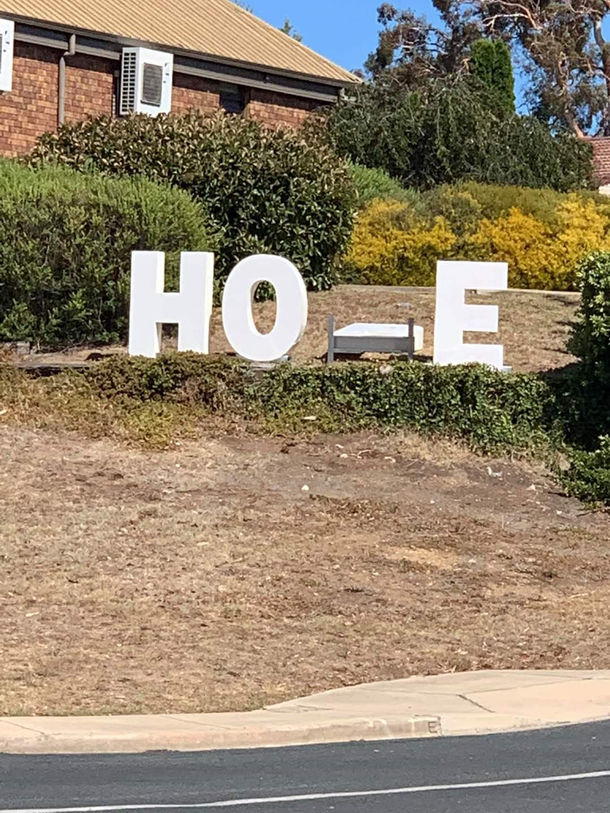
column 601, row 160
column 215, row 28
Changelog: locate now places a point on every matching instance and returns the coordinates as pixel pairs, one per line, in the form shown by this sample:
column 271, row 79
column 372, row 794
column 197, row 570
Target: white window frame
column 147, row 56
column 7, row 39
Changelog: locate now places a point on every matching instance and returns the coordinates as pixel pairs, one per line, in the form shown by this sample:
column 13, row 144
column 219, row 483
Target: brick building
column 601, row 164
column 66, row 60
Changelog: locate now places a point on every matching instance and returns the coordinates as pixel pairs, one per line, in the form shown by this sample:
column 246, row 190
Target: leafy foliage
column 563, row 46
column 412, row 50
column 490, row 62
column 270, row 191
column 567, row 56
column 588, row 478
column 64, row 272
column 289, row 30
column 393, row 246
column 453, row 129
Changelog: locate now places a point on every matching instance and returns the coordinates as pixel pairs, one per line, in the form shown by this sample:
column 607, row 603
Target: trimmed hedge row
column 491, row 409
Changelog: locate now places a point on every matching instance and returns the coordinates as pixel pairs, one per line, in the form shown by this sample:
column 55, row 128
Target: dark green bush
column 270, row 190
column 451, row 130
column 590, row 339
column 490, row 62
column 66, row 254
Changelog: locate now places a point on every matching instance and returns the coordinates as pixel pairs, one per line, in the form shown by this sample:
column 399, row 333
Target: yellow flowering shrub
column 542, row 255
column 397, row 244
column 392, row 246
column 526, row 244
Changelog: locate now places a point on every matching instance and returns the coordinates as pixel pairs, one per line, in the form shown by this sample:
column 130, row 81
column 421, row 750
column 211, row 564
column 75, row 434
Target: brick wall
column 30, row 109
column 279, row 109
column 195, row 93
column 90, row 87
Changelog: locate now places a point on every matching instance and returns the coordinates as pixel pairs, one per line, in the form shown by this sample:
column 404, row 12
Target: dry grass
column 534, row 327
column 205, row 578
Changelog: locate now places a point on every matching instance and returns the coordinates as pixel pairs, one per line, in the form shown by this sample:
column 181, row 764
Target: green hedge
column 66, row 254
column 272, row 191
column 492, row 410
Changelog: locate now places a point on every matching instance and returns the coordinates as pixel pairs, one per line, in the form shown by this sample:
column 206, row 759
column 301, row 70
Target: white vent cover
column 146, row 82
column 7, row 35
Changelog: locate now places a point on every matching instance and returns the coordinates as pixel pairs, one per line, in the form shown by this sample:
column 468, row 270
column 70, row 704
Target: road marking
column 312, row 797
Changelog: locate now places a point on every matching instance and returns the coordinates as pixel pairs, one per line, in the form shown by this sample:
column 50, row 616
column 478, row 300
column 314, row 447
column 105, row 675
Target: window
column 146, row 82
column 233, row 99
column 7, row 35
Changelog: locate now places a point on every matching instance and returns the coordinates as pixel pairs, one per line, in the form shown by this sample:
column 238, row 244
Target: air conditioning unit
column 146, row 82
column 7, row 36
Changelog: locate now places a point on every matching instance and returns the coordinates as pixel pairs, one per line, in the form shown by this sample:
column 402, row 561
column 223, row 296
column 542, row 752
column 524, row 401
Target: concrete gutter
column 443, row 705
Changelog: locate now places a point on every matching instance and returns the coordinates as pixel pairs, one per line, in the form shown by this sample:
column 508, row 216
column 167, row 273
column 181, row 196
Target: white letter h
column 151, row 308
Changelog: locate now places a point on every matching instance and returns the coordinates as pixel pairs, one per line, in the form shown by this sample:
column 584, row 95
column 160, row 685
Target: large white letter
column 151, row 308
column 291, row 304
column 453, row 316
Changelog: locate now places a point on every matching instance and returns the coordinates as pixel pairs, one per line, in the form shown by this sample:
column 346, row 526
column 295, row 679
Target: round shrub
column 273, row 191
column 66, row 257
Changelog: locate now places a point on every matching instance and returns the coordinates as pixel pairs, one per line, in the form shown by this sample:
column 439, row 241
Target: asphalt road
column 554, row 771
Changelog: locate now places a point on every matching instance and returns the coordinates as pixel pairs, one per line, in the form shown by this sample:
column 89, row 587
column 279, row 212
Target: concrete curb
column 443, row 705
column 137, row 740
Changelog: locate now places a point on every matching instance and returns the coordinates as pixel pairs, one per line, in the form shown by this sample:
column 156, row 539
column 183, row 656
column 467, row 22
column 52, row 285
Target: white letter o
column 291, row 304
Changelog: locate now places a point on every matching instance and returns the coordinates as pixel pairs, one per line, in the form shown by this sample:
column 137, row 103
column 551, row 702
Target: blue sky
column 345, row 31
column 342, row 30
